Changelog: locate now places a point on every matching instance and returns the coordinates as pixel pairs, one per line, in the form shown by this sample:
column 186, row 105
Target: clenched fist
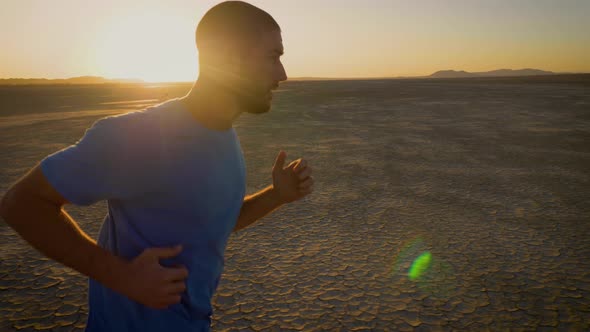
column 293, row 182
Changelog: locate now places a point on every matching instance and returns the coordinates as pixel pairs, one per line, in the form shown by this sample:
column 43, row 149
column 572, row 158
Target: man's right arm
column 34, row 209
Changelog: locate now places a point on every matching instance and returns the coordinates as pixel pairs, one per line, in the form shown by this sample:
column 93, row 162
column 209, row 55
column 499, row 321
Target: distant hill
column 493, row 73
column 438, row 74
column 443, row 74
column 73, row 80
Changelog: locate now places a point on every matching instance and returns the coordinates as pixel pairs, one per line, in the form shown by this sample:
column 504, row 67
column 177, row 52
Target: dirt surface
column 490, row 177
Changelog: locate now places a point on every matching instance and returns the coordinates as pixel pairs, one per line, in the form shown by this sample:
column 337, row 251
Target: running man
column 174, row 179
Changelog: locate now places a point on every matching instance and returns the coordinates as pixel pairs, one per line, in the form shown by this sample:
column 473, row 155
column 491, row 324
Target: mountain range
column 438, row 74
column 73, row 80
column 493, row 73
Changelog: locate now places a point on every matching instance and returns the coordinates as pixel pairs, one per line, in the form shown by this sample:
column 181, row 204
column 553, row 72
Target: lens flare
column 407, row 254
column 420, row 265
column 416, row 262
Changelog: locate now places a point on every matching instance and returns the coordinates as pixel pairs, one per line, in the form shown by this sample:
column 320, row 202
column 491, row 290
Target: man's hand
column 293, row 182
column 151, row 284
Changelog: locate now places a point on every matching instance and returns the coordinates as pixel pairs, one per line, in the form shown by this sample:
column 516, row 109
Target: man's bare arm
column 257, row 206
column 34, row 209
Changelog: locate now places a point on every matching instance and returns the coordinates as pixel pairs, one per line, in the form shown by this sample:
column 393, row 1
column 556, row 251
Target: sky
column 154, row 40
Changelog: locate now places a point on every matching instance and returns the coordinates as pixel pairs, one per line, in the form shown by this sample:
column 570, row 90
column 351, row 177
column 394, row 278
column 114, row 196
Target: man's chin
column 259, row 108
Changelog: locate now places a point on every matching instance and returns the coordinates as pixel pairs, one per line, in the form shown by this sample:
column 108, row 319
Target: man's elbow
column 18, row 200
column 31, row 192
column 6, row 204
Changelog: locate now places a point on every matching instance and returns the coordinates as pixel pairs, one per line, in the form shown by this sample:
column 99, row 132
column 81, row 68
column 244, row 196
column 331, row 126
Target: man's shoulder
column 141, row 122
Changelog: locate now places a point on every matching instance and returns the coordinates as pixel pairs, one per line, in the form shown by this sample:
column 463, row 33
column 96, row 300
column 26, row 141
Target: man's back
column 168, row 180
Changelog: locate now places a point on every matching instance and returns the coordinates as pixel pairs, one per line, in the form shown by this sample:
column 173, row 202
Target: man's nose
column 282, row 74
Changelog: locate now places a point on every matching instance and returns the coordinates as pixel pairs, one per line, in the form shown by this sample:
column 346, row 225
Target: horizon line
column 298, row 78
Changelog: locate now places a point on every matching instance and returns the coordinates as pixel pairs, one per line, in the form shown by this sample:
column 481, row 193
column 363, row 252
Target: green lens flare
column 407, row 254
column 420, row 264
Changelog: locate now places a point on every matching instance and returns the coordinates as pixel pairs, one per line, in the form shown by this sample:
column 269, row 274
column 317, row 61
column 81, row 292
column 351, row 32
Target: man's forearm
column 257, row 206
column 54, row 233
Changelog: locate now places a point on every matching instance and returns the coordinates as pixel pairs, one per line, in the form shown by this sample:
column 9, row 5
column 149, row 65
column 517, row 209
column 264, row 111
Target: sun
column 151, row 46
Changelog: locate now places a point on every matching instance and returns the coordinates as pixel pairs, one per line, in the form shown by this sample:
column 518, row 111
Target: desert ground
column 489, row 176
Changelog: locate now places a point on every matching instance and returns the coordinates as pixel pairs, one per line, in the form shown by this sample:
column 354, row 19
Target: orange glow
column 149, row 46
column 154, row 40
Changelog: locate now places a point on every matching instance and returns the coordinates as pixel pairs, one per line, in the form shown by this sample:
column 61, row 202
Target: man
column 174, row 179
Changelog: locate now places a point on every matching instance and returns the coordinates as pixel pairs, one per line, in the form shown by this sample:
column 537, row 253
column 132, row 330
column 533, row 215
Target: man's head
column 239, row 50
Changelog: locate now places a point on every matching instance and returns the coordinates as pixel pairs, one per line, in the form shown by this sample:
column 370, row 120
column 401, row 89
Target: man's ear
column 235, row 61
column 221, row 64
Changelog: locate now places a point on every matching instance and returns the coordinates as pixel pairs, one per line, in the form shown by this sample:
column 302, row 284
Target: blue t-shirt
column 168, row 180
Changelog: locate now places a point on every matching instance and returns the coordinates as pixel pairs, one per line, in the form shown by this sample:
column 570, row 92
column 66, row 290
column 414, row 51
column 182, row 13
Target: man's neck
column 211, row 107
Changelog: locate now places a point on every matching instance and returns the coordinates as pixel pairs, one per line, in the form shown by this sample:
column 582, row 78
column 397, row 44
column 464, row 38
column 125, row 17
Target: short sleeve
column 107, row 163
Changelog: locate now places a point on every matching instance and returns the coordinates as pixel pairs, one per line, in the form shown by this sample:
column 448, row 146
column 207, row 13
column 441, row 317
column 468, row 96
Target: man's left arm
column 290, row 184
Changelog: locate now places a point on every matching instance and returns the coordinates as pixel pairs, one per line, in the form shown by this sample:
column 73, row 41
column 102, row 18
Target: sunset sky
column 154, row 40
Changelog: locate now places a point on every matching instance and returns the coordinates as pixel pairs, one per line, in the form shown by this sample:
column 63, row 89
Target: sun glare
column 148, row 46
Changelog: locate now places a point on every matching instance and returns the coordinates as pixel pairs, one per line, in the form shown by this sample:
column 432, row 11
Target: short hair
column 235, row 24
